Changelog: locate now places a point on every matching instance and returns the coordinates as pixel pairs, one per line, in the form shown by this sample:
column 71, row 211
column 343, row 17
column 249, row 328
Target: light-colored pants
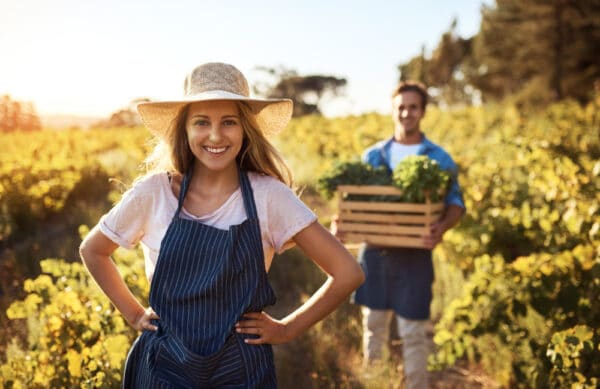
column 415, row 344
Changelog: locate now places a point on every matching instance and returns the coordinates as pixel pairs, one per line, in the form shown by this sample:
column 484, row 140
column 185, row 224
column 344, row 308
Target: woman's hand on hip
column 268, row 329
column 144, row 321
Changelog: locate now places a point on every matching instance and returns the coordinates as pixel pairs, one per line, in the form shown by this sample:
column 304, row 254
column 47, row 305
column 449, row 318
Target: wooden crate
column 384, row 223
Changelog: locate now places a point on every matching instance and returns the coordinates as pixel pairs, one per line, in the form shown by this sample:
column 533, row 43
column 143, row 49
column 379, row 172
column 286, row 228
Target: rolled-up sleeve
column 454, row 195
column 287, row 216
column 125, row 223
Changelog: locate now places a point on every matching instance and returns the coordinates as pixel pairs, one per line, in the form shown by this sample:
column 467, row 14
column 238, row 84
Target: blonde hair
column 172, row 152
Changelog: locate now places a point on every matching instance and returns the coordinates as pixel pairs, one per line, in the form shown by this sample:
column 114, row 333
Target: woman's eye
column 201, row 123
column 230, row 122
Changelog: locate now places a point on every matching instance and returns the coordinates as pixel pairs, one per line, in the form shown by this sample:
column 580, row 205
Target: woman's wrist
column 290, row 328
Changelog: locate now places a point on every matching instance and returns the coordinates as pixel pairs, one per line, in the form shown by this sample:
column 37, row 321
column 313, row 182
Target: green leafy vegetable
column 416, row 176
column 351, row 173
column 419, row 176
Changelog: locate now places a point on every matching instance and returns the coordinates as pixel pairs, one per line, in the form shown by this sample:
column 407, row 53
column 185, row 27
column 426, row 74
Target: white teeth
column 215, row 150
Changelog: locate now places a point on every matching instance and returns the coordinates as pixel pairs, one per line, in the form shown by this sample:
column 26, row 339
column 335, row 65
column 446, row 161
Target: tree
column 125, row 117
column 307, row 92
column 15, row 115
column 533, row 51
column 443, row 71
column 415, row 68
column 538, row 50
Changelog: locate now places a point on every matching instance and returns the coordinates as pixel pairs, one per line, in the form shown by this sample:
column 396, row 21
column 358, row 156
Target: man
column 400, row 279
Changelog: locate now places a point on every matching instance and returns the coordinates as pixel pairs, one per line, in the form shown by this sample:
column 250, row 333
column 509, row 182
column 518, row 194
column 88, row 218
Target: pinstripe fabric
column 205, row 279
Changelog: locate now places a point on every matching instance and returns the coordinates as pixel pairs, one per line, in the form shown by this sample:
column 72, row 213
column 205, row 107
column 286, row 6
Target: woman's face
column 215, row 133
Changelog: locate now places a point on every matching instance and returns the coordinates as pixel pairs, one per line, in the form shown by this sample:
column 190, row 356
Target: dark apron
column 205, row 280
column 397, row 278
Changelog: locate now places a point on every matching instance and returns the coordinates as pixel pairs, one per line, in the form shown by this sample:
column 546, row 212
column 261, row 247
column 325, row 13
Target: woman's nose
column 215, row 134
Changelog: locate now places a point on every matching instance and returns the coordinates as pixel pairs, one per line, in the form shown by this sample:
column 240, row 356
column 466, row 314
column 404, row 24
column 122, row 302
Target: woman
column 210, row 218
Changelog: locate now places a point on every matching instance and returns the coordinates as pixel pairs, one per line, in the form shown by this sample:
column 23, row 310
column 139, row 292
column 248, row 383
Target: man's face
column 407, row 112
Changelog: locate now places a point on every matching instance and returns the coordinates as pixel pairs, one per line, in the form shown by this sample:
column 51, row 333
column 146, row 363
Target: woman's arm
column 95, row 251
column 345, row 275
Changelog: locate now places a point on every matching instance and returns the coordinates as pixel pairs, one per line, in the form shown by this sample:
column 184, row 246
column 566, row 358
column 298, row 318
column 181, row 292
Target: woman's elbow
column 353, row 276
column 94, row 247
column 84, row 251
column 358, row 276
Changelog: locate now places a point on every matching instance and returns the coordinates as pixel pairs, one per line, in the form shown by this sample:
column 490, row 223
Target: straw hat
column 217, row 81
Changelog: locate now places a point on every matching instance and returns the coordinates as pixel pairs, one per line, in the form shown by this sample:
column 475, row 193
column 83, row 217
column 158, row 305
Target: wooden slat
column 352, row 246
column 370, row 189
column 391, row 229
column 387, row 218
column 437, row 207
column 384, row 223
column 382, row 240
column 384, row 206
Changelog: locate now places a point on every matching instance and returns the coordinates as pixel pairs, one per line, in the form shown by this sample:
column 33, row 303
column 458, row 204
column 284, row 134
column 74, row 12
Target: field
column 517, row 282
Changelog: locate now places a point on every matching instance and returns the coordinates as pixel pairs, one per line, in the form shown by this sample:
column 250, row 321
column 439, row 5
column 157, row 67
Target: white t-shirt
column 400, row 151
column 145, row 211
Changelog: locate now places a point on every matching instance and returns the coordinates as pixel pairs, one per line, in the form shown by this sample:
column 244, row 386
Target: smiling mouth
column 215, row 150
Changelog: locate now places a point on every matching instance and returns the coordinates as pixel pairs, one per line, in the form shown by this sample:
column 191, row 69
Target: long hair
column 257, row 153
column 172, row 151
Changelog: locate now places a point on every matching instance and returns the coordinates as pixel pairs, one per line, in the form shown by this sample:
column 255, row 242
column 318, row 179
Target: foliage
column 16, row 115
column 126, row 117
column 420, row 178
column 531, row 186
column 75, row 337
column 532, row 52
column 351, row 173
column 444, row 69
column 574, row 354
column 46, row 175
column 552, row 59
column 313, row 144
column 307, row 92
column 528, row 242
column 122, row 118
column 527, row 248
column 526, row 306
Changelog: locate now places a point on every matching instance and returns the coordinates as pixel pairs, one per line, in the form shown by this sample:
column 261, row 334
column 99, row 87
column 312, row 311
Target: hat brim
column 272, row 115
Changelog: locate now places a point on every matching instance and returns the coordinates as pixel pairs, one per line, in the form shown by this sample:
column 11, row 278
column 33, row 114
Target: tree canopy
column 307, row 92
column 533, row 51
column 17, row 115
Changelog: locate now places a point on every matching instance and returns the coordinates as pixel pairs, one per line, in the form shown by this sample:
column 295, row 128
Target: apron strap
column 185, row 184
column 248, row 195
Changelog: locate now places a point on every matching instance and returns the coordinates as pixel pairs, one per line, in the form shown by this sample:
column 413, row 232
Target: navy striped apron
column 205, row 280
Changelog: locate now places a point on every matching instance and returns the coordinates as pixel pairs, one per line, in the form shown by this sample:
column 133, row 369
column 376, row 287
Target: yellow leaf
column 117, row 347
column 74, row 360
column 16, row 310
column 54, row 323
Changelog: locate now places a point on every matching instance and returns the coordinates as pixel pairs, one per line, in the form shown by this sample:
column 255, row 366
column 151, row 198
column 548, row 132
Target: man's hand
column 436, row 235
column 451, row 217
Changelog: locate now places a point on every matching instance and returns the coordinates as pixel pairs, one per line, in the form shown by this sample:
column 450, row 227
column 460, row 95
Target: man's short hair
column 412, row 86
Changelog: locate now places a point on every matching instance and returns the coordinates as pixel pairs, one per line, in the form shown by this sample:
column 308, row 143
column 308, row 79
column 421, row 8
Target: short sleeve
column 125, row 223
column 287, row 216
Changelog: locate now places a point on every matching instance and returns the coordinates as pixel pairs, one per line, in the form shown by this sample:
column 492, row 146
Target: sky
column 93, row 57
